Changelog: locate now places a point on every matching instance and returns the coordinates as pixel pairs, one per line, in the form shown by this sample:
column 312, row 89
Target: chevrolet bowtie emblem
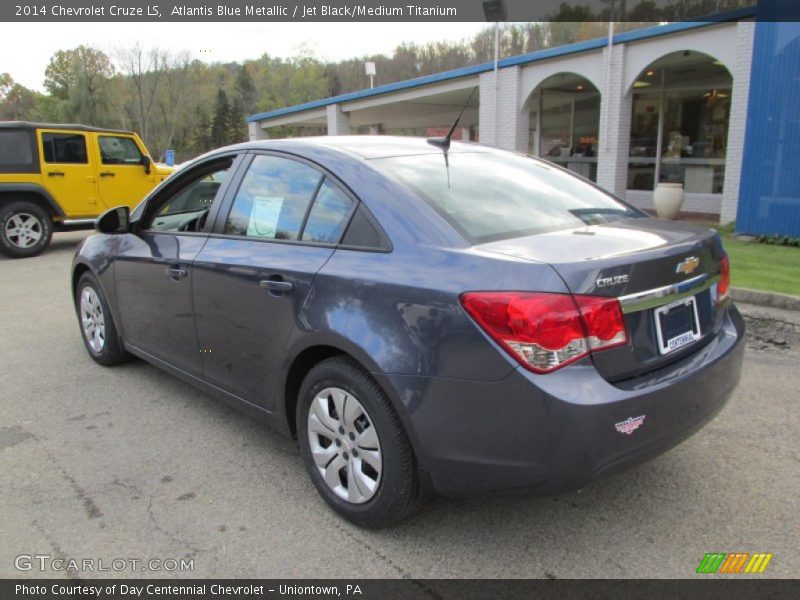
column 688, row 266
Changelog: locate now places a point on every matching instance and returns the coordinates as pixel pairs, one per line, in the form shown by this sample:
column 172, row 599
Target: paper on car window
column 264, row 218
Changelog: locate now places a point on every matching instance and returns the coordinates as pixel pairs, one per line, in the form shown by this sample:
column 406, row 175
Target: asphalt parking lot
column 131, row 463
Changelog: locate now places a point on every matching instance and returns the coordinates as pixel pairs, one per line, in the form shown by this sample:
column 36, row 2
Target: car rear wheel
column 97, row 327
column 25, row 229
column 354, row 446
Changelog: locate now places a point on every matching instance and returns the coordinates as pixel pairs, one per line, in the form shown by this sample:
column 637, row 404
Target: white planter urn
column 668, row 200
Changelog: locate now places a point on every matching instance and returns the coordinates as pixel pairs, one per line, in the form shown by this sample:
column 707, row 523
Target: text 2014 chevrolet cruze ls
column 420, row 320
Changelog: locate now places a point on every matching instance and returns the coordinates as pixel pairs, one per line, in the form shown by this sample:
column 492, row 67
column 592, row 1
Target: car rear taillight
column 544, row 332
column 724, row 279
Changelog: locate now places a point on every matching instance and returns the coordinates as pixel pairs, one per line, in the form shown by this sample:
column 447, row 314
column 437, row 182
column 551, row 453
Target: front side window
column 489, row 196
column 64, row 148
column 187, row 209
column 273, row 199
column 117, row 150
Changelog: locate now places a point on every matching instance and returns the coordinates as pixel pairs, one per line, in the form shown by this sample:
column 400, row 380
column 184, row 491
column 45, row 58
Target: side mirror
column 146, row 162
column 115, row 220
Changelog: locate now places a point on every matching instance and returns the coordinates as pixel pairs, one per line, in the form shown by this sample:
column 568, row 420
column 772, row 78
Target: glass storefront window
column 679, row 126
column 566, row 110
column 694, row 139
column 644, row 141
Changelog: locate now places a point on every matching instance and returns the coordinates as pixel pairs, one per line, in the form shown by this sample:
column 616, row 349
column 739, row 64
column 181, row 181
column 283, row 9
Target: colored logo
column 688, row 266
column 734, row 562
column 629, row 425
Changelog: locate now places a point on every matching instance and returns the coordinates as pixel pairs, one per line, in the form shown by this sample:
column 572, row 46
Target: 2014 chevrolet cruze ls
column 421, row 320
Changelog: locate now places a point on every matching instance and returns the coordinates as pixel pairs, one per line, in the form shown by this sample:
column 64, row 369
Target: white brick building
column 665, row 104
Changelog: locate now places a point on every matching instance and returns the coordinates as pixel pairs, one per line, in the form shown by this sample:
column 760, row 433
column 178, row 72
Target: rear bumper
column 547, row 434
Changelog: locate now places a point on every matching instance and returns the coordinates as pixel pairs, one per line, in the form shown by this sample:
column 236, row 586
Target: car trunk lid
column 647, row 264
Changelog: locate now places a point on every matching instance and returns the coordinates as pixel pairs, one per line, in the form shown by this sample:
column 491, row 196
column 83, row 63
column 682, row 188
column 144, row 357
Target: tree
column 17, row 103
column 237, row 124
column 201, row 139
column 152, row 94
column 79, row 80
column 6, row 83
column 220, row 126
column 645, row 10
column 245, row 90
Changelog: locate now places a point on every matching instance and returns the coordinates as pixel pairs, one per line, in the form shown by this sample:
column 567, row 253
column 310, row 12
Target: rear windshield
column 491, row 196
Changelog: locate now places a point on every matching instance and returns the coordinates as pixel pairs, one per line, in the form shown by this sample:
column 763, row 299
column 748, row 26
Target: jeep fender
column 31, row 189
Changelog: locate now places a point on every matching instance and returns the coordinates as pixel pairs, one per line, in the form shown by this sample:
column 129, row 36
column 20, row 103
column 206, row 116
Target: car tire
column 25, row 229
column 98, row 330
column 341, row 453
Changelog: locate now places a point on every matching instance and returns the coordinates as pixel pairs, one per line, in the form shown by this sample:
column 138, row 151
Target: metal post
column 608, row 75
column 572, row 122
column 496, row 45
column 538, row 139
column 496, row 82
column 660, row 133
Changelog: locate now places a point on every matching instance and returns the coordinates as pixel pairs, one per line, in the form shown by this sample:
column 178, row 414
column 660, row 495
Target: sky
column 214, row 42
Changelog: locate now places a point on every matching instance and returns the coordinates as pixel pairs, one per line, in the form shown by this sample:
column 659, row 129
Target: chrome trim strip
column 78, row 221
column 667, row 294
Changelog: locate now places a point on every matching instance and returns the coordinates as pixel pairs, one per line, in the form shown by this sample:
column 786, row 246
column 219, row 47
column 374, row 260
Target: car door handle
column 55, row 173
column 277, row 285
column 176, row 272
column 107, row 174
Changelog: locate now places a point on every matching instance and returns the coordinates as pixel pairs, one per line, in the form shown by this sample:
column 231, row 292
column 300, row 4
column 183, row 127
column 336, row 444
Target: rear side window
column 489, row 196
column 116, row 150
column 328, row 216
column 273, row 199
column 363, row 233
column 16, row 151
column 64, row 148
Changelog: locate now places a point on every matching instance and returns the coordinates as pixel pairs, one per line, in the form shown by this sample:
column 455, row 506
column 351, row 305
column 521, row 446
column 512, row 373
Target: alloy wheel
column 93, row 320
column 24, row 230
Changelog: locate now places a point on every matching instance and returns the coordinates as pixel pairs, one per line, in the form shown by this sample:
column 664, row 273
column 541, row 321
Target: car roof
column 368, row 146
column 71, row 127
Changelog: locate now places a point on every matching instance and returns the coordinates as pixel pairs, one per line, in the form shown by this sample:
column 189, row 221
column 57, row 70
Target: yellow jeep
column 59, row 177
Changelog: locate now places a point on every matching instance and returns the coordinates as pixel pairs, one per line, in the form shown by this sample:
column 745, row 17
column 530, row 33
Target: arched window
column 565, row 123
column 679, row 124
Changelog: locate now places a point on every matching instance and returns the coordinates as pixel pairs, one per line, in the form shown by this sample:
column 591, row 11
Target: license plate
column 677, row 324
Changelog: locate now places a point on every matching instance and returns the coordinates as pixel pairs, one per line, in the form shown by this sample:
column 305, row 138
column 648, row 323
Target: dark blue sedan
column 422, row 321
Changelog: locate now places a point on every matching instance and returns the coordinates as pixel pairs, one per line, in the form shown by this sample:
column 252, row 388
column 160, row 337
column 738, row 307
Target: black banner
column 734, row 588
column 393, row 10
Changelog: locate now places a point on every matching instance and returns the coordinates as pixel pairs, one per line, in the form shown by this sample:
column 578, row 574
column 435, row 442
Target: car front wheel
column 354, row 446
column 25, row 229
column 97, row 327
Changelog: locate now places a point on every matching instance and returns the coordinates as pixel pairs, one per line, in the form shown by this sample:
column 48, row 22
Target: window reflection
column 328, row 216
column 491, row 196
column 565, row 123
column 679, row 125
column 273, row 199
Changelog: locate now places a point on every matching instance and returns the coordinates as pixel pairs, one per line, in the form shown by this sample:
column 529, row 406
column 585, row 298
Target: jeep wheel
column 25, row 229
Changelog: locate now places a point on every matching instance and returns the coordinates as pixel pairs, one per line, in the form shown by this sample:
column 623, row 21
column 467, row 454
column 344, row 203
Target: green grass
column 763, row 266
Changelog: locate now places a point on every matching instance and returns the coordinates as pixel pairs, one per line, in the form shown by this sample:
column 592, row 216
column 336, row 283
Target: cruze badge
column 688, row 266
column 615, row 280
column 629, row 425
